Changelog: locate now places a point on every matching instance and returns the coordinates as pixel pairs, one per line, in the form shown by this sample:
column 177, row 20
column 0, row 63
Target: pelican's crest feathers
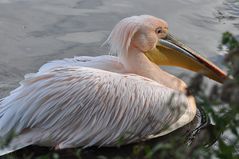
column 120, row 38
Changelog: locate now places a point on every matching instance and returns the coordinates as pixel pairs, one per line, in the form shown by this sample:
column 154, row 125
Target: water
column 34, row 32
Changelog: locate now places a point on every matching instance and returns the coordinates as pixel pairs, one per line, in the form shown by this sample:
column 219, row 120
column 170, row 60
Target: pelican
column 86, row 101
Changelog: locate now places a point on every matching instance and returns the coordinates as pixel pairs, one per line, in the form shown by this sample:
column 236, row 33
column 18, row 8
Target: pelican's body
column 87, row 101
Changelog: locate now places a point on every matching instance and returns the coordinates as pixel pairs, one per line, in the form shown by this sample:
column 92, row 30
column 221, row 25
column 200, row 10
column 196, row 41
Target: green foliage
column 222, row 105
column 229, row 40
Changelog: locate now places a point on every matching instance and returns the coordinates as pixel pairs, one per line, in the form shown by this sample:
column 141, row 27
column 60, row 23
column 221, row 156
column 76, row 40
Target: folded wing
column 80, row 106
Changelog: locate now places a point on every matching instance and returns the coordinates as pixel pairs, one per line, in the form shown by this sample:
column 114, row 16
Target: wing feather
column 104, row 62
column 81, row 106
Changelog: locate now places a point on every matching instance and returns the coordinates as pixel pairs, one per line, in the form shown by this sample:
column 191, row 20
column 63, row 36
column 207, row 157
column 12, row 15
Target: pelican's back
column 80, row 106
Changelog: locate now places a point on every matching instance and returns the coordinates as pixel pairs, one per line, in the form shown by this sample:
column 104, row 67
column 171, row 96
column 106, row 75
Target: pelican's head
column 150, row 35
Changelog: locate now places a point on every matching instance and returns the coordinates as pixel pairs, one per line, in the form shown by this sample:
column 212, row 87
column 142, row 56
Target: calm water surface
column 34, row 32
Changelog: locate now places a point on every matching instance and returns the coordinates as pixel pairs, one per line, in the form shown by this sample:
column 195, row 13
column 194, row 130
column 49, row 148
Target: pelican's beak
column 171, row 52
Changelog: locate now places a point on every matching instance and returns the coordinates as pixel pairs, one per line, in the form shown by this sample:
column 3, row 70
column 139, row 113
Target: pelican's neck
column 136, row 62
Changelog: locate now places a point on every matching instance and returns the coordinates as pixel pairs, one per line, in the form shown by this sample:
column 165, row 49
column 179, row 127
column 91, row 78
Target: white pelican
column 88, row 101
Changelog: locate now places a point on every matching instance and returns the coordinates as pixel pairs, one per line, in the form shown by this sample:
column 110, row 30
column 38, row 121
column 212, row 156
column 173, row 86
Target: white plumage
column 104, row 62
column 85, row 101
column 80, row 106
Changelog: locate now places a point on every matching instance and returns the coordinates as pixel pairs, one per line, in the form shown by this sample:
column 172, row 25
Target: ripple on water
column 85, row 37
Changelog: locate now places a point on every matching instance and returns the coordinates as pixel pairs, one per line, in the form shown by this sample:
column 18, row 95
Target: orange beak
column 171, row 52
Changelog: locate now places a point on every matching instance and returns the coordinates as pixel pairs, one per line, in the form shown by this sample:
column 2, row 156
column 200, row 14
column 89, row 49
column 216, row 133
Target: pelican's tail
column 12, row 148
column 20, row 142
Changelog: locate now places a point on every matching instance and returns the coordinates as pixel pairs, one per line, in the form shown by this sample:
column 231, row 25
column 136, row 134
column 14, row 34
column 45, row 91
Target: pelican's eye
column 159, row 30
